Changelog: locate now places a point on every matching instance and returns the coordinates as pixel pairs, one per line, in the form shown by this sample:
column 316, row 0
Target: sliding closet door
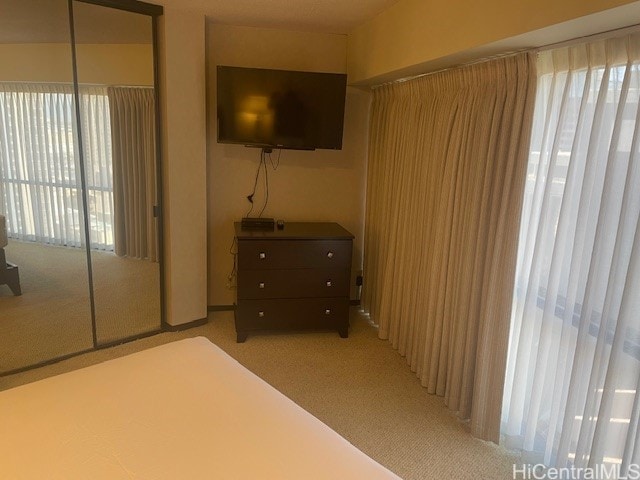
column 45, row 307
column 115, row 71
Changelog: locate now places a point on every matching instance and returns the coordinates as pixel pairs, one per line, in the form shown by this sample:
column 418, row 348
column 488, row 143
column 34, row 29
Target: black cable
column 277, row 162
column 233, row 251
column 255, row 184
column 263, row 163
column 266, row 189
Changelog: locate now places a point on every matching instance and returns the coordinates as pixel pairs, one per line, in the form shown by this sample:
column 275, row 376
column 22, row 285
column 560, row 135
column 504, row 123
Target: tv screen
column 280, row 109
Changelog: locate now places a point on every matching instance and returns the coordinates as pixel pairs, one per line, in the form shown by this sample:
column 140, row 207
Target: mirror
column 43, row 251
column 115, row 72
column 79, row 242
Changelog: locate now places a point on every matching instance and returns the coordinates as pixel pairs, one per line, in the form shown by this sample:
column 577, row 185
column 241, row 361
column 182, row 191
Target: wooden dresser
column 293, row 279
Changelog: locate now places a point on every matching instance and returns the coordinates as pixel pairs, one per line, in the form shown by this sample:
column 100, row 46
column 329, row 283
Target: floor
column 52, row 317
column 358, row 386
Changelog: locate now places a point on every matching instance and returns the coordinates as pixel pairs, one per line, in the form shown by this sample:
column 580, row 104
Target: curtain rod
column 458, row 66
column 618, row 32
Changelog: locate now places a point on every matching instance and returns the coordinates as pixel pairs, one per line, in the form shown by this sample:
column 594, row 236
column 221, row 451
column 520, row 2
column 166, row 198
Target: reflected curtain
column 571, row 393
column 134, row 171
column 447, row 159
column 40, row 185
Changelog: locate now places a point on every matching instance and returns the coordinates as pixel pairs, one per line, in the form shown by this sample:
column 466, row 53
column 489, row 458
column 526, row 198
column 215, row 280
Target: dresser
column 293, row 279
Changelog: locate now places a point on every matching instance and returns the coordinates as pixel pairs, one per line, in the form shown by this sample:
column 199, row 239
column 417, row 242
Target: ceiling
column 328, row 16
column 46, row 21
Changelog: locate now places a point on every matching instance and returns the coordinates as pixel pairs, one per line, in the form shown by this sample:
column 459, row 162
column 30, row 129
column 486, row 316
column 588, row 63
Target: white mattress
column 185, row 410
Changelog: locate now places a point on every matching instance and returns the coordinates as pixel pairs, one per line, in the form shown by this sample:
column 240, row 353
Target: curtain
column 571, row 391
column 40, row 185
column 134, row 171
column 447, row 160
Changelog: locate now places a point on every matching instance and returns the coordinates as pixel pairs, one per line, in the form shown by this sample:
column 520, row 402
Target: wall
column 182, row 65
column 105, row 64
column 308, row 186
column 414, row 36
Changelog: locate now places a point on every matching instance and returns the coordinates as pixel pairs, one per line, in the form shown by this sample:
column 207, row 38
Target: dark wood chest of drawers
column 296, row 278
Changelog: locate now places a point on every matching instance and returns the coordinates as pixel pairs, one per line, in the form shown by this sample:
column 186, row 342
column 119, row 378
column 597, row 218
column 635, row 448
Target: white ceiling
column 329, row 16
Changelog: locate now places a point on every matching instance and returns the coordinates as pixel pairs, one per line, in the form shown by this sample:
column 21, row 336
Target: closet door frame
column 153, row 11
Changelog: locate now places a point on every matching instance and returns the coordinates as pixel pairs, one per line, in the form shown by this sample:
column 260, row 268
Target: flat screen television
column 280, row 108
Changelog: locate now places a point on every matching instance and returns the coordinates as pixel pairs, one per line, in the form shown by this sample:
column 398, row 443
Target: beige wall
column 413, row 35
column 323, row 185
column 122, row 64
column 182, row 56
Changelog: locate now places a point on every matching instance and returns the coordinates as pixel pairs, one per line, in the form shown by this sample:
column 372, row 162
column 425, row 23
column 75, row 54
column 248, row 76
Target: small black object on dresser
column 293, row 279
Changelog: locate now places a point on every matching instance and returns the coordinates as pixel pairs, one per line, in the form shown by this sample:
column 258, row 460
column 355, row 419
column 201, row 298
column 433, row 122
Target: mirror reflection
column 79, row 251
column 117, row 113
column 44, row 289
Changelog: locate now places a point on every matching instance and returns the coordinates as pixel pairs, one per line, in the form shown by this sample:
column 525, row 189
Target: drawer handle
column 261, row 314
column 327, row 311
column 329, row 254
column 329, row 284
column 262, row 255
column 261, row 285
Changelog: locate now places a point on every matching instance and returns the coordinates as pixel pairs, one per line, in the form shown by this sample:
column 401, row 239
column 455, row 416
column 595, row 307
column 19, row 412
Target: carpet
column 52, row 317
column 359, row 386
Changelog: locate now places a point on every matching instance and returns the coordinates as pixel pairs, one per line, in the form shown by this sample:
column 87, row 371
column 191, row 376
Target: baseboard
column 221, row 308
column 185, row 326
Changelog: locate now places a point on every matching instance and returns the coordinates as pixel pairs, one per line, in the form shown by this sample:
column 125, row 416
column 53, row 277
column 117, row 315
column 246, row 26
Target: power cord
column 231, row 279
column 263, row 164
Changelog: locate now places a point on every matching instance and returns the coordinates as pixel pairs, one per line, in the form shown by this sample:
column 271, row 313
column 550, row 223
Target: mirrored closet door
column 115, row 68
column 79, row 241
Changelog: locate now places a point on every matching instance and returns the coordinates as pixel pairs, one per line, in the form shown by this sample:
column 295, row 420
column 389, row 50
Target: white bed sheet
column 185, row 410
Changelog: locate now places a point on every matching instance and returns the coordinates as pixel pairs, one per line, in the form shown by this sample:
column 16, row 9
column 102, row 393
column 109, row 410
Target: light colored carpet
column 52, row 316
column 358, row 386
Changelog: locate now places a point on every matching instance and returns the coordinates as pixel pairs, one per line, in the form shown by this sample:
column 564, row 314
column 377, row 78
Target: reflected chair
column 8, row 271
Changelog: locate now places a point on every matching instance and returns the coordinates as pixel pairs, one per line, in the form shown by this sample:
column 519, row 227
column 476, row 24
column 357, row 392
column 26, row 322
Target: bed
column 185, row 410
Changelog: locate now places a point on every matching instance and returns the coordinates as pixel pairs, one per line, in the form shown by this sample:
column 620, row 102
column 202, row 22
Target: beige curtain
column 135, row 228
column 447, row 160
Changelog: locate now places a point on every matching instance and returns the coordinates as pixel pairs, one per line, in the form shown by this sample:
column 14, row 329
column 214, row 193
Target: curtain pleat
column 39, row 165
column 40, row 185
column 571, row 392
column 447, row 160
column 134, row 171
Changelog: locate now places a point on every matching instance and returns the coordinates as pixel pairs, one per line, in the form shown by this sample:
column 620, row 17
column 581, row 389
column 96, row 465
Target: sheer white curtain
column 40, row 188
column 573, row 372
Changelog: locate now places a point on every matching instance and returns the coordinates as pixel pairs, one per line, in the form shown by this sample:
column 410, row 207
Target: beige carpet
column 52, row 316
column 358, row 386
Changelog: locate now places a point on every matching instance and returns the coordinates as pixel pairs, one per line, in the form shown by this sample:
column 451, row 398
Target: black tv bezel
column 278, row 146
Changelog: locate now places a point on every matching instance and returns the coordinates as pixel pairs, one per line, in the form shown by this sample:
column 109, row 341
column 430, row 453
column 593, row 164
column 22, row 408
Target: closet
column 79, row 177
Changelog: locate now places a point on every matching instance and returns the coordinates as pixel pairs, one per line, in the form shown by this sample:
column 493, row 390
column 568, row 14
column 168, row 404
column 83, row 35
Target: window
column 40, row 184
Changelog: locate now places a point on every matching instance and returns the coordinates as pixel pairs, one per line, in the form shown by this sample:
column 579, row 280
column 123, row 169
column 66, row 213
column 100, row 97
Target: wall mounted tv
column 280, row 108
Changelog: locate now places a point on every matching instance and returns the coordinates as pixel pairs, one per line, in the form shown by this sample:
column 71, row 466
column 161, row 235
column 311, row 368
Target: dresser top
column 296, row 231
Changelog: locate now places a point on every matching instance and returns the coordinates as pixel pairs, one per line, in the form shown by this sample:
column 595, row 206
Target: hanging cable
column 255, row 183
column 265, row 155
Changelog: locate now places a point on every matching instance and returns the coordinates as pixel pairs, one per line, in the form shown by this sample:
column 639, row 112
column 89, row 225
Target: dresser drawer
column 292, row 314
column 285, row 254
column 295, row 283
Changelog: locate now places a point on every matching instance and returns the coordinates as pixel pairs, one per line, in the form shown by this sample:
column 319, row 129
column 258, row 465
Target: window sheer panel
column 572, row 371
column 39, row 167
column 41, row 191
column 447, row 162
